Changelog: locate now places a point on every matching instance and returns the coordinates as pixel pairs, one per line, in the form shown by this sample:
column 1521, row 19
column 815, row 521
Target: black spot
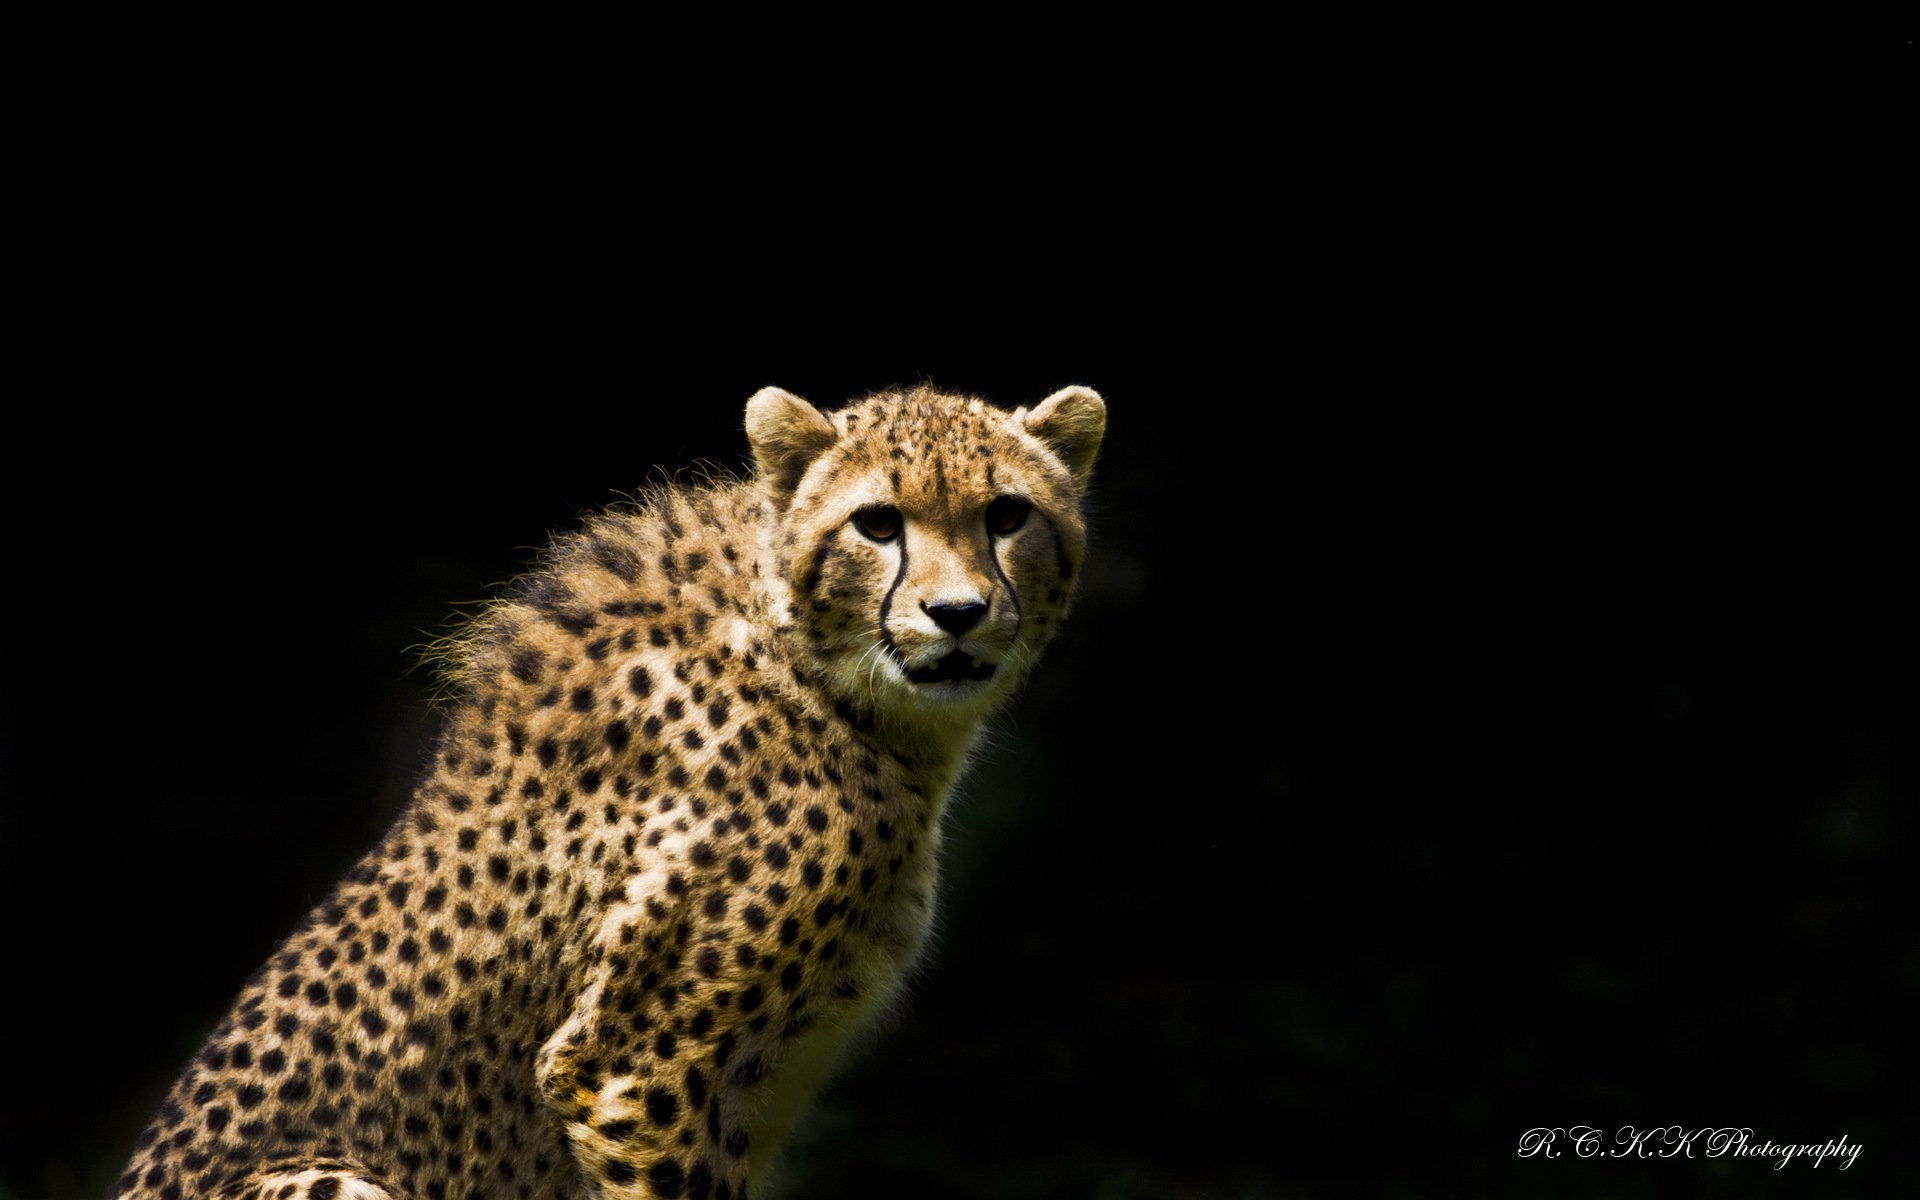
column 575, row 623
column 667, row 1177
column 816, row 818
column 618, row 735
column 639, row 682
column 662, row 1106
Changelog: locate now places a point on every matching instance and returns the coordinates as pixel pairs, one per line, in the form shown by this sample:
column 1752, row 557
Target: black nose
column 955, row 618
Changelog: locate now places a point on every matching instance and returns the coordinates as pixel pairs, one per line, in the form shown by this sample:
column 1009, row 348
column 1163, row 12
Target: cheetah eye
column 881, row 522
column 1007, row 514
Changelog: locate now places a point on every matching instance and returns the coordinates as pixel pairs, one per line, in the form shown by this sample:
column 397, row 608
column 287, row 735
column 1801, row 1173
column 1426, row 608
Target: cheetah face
column 927, row 544
column 949, row 615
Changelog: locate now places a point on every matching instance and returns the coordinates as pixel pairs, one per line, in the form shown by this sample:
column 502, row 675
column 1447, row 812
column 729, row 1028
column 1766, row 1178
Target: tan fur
column 679, row 843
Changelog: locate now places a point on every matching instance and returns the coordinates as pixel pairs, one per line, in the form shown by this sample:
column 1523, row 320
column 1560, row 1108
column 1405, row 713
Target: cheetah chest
column 880, row 949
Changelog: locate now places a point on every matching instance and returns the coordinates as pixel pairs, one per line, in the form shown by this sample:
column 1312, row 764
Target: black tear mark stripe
column 1012, row 595
column 886, row 603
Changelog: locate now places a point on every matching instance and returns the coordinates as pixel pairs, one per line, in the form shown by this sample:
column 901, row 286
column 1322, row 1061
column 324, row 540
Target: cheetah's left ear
column 786, row 434
column 1072, row 421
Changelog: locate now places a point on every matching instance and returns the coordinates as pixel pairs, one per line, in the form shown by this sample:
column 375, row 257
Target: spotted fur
column 678, row 842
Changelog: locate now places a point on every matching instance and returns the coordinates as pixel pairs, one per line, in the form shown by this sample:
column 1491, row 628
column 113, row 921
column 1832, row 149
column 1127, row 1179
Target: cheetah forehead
column 932, row 451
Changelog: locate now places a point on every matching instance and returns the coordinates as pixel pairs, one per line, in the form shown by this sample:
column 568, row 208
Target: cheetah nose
column 955, row 618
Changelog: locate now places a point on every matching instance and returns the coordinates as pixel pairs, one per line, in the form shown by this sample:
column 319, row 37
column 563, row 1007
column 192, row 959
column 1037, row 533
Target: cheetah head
column 923, row 546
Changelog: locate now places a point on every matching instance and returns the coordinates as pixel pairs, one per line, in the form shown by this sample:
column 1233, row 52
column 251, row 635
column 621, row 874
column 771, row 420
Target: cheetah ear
column 1071, row 421
column 786, row 434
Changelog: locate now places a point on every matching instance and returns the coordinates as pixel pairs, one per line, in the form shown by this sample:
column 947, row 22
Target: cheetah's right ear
column 786, row 434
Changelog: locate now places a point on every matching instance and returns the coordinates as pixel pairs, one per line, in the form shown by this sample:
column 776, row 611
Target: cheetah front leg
column 315, row 1179
column 630, row 1070
column 641, row 1115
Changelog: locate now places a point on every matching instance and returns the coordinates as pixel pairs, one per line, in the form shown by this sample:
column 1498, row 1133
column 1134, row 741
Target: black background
column 1491, row 702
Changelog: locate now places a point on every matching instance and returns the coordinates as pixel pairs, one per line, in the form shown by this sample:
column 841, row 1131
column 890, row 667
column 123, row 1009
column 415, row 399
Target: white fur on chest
column 887, row 958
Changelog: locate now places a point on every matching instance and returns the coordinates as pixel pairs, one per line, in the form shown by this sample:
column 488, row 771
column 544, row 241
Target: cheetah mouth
column 956, row 667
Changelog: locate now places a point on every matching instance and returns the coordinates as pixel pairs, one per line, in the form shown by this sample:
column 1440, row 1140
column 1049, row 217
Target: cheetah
column 678, row 842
